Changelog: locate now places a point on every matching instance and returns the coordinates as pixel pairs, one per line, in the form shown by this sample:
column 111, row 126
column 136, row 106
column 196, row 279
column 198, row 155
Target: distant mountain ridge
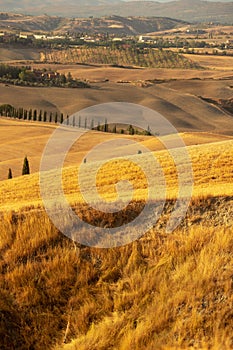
column 111, row 24
column 187, row 10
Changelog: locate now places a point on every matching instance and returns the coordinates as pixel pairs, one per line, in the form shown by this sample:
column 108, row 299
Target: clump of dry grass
column 164, row 291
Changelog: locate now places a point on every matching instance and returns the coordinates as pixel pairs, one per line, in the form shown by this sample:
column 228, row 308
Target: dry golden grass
column 17, row 54
column 117, row 74
column 164, row 291
column 211, row 162
column 213, row 62
column 20, row 138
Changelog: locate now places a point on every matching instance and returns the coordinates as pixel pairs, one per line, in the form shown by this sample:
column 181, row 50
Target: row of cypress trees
column 29, row 114
column 25, row 169
column 76, row 121
column 44, row 116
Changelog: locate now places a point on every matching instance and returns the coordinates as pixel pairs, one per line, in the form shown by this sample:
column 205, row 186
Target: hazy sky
column 177, row 0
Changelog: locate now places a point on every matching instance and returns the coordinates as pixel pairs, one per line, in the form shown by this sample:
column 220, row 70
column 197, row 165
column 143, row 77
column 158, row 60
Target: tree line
column 9, row 111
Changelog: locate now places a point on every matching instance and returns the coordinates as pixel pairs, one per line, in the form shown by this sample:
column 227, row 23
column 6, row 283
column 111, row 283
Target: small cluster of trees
column 25, row 169
column 25, row 76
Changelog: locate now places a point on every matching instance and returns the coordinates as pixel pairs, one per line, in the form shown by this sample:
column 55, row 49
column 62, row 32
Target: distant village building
column 146, row 39
column 117, row 39
column 44, row 75
column 26, row 35
column 40, row 36
column 54, row 37
column 89, row 39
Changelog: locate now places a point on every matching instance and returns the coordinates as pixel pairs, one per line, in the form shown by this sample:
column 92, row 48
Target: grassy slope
column 214, row 178
column 18, row 54
column 213, row 62
column 163, row 291
column 18, row 139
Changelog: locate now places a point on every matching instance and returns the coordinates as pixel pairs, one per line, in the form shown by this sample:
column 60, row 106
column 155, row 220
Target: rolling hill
column 186, row 111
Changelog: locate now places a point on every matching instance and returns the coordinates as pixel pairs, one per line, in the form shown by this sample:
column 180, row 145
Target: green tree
column 148, row 131
column 45, row 117
column 106, row 126
column 10, row 174
column 62, row 118
column 30, row 114
column 35, row 115
column 40, row 116
column 20, row 113
column 23, row 75
column 25, row 114
column 131, row 130
column 69, row 78
column 26, row 169
column 62, row 79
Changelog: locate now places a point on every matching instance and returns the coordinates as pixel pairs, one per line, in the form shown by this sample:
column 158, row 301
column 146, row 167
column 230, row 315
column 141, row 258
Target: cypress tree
column 131, row 130
column 51, row 117
column 62, row 118
column 25, row 114
column 106, row 126
column 148, row 131
column 10, row 174
column 30, row 115
column 35, row 115
column 45, row 117
column 40, row 116
column 55, row 118
column 26, row 169
column 20, row 113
